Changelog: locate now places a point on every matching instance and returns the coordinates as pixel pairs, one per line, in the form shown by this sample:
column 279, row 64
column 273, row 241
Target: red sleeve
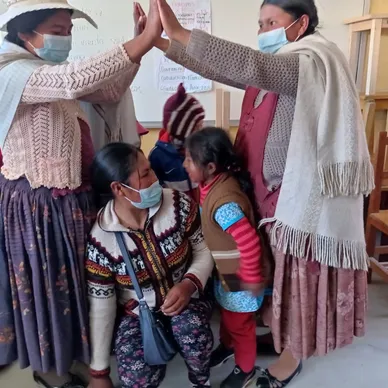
column 248, row 244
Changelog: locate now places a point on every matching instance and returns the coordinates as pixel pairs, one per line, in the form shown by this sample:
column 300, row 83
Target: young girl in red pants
column 229, row 228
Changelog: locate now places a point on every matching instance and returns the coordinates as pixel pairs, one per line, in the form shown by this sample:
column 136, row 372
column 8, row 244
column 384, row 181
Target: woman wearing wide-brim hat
column 45, row 200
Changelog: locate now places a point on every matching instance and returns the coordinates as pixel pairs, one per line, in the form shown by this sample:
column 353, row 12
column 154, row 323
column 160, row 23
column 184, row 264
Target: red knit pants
column 238, row 331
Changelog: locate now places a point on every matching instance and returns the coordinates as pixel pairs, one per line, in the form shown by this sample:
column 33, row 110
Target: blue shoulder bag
column 159, row 346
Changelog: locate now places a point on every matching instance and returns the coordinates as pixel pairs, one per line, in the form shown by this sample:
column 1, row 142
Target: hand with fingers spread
column 139, row 18
column 171, row 25
column 178, row 298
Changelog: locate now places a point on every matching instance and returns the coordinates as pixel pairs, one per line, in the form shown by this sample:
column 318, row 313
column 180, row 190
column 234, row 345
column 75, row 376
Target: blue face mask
column 149, row 197
column 271, row 42
column 55, row 48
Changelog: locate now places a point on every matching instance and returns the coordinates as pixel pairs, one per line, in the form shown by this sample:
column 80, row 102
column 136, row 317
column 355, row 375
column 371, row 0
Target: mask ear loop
column 131, row 188
column 31, row 44
column 292, row 24
column 35, row 32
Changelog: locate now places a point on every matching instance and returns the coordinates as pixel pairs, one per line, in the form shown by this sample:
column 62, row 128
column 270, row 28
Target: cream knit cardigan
column 43, row 143
column 319, row 214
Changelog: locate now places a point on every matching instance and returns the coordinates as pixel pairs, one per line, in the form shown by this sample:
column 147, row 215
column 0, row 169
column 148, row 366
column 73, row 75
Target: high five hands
column 152, row 23
column 160, row 17
column 171, row 25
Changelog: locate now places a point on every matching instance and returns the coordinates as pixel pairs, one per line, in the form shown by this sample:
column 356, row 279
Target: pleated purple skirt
column 43, row 304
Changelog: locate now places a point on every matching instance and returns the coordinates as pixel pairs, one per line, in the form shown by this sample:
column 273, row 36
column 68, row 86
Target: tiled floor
column 362, row 365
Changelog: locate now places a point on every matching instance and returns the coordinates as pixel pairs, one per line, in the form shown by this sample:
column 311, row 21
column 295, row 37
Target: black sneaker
column 238, row 378
column 75, row 382
column 220, row 355
column 205, row 385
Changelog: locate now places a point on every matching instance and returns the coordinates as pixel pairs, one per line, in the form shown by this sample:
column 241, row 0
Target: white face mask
column 55, row 48
column 271, row 42
column 149, row 197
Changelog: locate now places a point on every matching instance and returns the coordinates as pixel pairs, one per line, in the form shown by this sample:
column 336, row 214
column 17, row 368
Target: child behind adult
column 182, row 116
column 229, row 228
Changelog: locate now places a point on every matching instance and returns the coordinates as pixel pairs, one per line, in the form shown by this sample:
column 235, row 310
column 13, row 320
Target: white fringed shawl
column 319, row 214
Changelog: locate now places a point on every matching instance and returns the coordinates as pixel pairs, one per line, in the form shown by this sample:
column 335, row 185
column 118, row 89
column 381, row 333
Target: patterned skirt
column 43, row 304
column 316, row 308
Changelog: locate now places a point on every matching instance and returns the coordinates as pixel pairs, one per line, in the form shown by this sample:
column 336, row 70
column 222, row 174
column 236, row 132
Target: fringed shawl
column 319, row 214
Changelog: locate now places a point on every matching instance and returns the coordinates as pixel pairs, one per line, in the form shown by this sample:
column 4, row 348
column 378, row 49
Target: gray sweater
column 240, row 66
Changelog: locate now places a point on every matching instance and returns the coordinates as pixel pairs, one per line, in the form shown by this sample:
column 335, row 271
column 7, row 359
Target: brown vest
column 221, row 244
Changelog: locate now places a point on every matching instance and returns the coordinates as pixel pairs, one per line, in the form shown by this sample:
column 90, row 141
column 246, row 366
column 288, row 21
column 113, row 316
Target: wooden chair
column 377, row 220
column 369, row 111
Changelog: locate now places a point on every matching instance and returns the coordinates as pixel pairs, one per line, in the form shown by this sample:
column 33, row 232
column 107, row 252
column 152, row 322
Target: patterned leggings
column 193, row 335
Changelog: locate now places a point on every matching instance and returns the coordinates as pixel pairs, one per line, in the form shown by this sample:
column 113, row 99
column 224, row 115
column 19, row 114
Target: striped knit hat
column 182, row 113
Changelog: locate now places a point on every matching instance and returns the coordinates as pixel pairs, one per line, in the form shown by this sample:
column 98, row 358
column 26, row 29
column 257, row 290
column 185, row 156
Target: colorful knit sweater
column 44, row 141
column 169, row 249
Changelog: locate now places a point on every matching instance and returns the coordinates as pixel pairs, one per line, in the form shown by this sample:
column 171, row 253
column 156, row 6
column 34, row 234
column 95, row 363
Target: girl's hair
column 298, row 8
column 213, row 145
column 27, row 23
column 113, row 163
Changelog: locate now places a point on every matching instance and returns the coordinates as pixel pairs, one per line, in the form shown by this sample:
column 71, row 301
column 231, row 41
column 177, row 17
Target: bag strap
column 129, row 264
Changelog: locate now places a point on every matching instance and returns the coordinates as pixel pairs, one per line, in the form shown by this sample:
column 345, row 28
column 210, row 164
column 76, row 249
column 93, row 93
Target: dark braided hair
column 213, row 145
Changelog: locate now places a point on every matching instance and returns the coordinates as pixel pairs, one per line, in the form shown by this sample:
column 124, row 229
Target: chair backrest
column 381, row 177
column 369, row 120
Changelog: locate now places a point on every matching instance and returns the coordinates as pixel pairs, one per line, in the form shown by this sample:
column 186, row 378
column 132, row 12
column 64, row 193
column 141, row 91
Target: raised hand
column 139, row 18
column 171, row 25
column 153, row 26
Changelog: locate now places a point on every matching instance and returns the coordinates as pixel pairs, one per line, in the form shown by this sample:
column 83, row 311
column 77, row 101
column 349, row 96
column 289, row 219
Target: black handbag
column 159, row 346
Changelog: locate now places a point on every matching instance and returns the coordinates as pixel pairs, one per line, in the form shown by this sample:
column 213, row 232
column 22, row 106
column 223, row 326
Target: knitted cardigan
column 170, row 248
column 44, row 141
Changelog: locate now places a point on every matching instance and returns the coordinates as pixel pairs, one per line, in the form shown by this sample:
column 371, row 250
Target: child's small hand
column 255, row 289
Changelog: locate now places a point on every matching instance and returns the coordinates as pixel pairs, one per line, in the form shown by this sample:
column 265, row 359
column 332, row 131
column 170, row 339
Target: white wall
column 235, row 20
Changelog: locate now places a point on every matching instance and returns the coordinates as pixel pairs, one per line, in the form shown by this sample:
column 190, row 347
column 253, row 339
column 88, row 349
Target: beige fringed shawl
column 319, row 214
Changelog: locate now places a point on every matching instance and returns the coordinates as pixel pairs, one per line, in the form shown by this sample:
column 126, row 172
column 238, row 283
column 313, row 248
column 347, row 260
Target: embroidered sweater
column 240, row 66
column 169, row 249
column 44, row 141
